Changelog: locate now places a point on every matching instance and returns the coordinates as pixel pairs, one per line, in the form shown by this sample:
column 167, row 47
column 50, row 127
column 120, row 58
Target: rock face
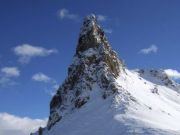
column 94, row 63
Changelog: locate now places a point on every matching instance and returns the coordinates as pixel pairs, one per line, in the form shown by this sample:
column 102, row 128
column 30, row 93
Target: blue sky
column 144, row 33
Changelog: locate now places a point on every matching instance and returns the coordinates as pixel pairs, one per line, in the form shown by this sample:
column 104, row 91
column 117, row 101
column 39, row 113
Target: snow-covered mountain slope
column 139, row 107
column 101, row 96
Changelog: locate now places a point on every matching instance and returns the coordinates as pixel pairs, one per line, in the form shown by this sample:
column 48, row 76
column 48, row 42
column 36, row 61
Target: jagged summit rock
column 94, row 63
column 90, row 22
column 92, row 39
column 91, row 34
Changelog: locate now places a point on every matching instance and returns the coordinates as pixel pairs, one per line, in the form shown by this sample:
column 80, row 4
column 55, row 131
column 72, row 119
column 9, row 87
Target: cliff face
column 94, row 63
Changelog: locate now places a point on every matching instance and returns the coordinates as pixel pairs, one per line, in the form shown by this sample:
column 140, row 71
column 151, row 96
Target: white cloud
column 52, row 84
column 5, row 81
column 109, row 31
column 172, row 73
column 7, row 74
column 151, row 49
column 26, row 52
column 55, row 87
column 40, row 77
column 14, row 125
column 11, row 71
column 101, row 18
column 65, row 14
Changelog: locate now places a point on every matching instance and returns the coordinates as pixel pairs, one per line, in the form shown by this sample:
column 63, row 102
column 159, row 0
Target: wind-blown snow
column 141, row 106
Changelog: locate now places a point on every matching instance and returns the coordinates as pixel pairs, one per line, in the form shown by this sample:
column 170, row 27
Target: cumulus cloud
column 14, row 125
column 101, row 18
column 26, row 52
column 7, row 74
column 151, row 49
column 65, row 14
column 172, row 73
column 52, row 85
column 5, row 81
column 11, row 71
column 40, row 77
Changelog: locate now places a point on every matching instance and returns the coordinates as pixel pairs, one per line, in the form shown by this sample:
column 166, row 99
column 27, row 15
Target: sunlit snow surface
column 135, row 110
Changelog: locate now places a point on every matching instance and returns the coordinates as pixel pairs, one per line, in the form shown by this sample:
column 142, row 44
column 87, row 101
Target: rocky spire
column 90, row 34
column 94, row 63
column 93, row 37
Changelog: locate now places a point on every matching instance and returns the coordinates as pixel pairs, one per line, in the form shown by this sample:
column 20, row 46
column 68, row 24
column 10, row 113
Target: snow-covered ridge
column 157, row 105
column 158, row 77
column 133, row 109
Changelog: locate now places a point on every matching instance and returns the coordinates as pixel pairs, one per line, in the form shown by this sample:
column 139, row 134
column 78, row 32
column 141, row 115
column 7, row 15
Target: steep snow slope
column 135, row 109
column 156, row 104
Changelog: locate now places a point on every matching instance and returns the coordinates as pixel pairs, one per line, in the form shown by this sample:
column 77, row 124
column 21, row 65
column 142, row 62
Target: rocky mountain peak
column 89, row 23
column 100, row 91
column 91, row 34
column 94, row 63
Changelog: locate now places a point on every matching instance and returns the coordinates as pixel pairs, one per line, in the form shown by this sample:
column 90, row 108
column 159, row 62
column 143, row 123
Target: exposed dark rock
column 155, row 90
column 80, row 102
column 40, row 131
column 53, row 118
column 56, row 101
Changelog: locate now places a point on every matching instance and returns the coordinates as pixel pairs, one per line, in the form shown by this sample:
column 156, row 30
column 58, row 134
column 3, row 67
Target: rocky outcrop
column 94, row 63
column 158, row 76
